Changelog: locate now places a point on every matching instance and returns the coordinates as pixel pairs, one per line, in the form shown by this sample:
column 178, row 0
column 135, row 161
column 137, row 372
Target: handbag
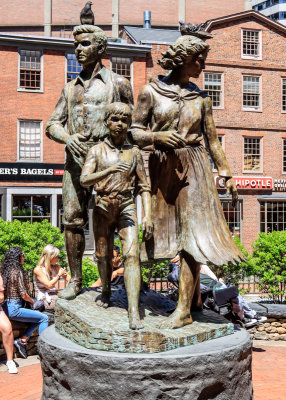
column 37, row 306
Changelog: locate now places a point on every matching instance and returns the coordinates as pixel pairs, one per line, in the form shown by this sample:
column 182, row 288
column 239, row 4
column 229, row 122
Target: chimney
column 147, row 19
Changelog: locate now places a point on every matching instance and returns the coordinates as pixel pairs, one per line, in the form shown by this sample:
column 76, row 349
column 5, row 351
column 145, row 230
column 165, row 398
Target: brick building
column 57, row 17
column 245, row 76
column 34, row 71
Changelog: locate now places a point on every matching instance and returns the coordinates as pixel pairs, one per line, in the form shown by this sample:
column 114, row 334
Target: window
column 30, row 70
column 213, row 85
column 220, row 138
column 233, row 216
column 252, row 155
column 283, row 94
column 284, row 156
column 251, row 44
column 73, row 67
column 122, row 66
column 31, row 208
column 272, row 216
column 251, row 92
column 268, row 3
column 30, row 136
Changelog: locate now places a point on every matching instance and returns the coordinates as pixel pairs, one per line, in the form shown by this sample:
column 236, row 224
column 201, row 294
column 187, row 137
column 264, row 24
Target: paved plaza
column 269, row 371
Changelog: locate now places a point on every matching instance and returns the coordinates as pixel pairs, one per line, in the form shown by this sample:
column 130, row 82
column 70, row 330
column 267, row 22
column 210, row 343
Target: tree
column 269, row 260
column 32, row 238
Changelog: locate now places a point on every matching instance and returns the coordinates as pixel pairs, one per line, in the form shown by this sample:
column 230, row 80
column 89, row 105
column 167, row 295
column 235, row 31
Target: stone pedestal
column 93, row 327
column 219, row 369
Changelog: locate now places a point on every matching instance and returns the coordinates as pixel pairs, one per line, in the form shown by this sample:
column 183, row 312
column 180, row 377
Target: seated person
column 117, row 277
column 7, row 334
column 240, row 306
column 116, row 170
column 46, row 274
column 16, row 289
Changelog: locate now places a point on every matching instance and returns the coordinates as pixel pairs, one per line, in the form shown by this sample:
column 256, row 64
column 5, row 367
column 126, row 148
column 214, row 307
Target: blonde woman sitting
column 46, row 275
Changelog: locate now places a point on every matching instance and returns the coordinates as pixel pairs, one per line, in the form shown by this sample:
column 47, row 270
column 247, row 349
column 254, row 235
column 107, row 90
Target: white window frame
column 283, row 78
column 221, row 107
column 252, row 109
column 250, row 171
column 131, row 65
column 18, row 140
column 250, row 57
column 66, row 65
column 283, row 145
column 21, row 89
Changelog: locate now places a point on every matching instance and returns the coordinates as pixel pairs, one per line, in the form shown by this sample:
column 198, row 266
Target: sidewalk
column 269, row 375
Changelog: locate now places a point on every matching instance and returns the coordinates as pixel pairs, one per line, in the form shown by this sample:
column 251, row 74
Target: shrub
column 269, row 259
column 236, row 272
column 90, row 272
column 32, row 238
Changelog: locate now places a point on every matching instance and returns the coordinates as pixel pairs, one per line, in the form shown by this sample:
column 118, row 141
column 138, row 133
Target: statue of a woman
column 172, row 117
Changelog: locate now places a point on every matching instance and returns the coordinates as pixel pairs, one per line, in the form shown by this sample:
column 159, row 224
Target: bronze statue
column 81, row 108
column 116, row 170
column 187, row 214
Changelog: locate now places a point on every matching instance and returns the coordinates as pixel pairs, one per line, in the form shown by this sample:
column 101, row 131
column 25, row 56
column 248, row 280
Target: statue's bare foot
column 134, row 321
column 70, row 292
column 176, row 320
column 104, row 300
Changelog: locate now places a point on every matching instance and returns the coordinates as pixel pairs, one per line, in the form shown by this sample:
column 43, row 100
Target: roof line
column 68, row 42
column 210, row 23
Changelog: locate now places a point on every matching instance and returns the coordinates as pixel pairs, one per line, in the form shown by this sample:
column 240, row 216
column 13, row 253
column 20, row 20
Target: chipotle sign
column 247, row 182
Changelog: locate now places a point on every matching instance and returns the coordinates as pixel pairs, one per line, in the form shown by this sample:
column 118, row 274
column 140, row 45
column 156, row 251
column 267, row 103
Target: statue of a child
column 116, row 170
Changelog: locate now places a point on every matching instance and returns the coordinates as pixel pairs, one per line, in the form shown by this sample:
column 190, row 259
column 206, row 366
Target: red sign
column 58, row 171
column 247, row 182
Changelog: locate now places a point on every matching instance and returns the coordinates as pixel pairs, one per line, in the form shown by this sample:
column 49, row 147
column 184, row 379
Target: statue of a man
column 81, row 109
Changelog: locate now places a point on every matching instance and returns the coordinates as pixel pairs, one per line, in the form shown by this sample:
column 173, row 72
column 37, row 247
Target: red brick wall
column 21, row 12
column 203, row 10
column 163, row 12
column 25, row 105
column 66, row 12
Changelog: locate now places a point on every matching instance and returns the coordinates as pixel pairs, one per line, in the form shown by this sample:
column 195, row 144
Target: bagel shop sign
column 27, row 172
column 247, row 182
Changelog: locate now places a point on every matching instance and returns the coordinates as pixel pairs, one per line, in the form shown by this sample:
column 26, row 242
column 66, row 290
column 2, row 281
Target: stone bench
column 274, row 328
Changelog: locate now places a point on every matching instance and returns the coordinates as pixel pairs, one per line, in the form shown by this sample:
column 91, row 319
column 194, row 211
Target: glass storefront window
column 32, row 208
column 233, row 216
column 272, row 216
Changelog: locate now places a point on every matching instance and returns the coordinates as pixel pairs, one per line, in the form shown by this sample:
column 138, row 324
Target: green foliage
column 90, row 272
column 159, row 270
column 269, row 260
column 32, row 238
column 236, row 272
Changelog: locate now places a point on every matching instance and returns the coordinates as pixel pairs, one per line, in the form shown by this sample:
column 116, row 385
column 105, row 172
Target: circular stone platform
column 218, row 369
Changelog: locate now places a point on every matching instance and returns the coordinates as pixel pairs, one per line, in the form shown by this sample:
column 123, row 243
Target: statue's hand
column 148, row 228
column 231, row 188
column 120, row 167
column 169, row 139
column 75, row 146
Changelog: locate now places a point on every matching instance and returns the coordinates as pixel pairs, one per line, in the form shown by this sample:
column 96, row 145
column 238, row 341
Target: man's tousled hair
column 99, row 35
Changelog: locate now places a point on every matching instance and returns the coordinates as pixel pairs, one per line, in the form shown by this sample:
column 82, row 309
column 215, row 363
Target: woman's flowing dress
column 186, row 209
